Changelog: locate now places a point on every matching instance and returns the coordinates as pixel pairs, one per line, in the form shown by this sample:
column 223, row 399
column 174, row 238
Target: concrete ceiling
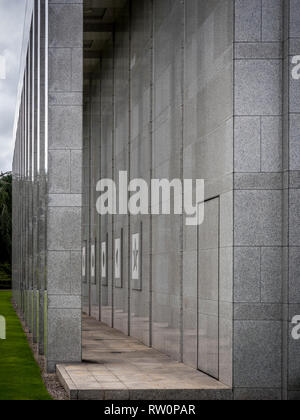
column 99, row 20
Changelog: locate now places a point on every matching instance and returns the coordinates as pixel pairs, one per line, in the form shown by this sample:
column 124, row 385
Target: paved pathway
column 119, row 367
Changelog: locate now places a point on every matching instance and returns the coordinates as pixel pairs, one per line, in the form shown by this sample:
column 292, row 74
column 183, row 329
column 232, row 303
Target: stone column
column 65, row 29
column 291, row 203
column 257, row 347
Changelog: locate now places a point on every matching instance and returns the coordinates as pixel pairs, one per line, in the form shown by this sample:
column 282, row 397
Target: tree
column 5, row 217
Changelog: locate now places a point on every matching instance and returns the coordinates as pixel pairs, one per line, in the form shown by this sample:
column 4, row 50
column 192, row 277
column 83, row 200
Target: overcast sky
column 11, row 32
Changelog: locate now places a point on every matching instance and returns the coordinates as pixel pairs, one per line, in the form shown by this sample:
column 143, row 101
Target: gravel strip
column 51, row 381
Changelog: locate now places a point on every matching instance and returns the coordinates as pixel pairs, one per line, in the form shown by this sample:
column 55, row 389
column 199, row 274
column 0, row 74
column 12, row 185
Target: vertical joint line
column 113, row 173
column 129, row 166
column 182, row 176
column 151, row 173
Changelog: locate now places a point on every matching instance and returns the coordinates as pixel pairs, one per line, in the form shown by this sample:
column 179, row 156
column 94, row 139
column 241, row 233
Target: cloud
column 2, row 67
column 11, row 33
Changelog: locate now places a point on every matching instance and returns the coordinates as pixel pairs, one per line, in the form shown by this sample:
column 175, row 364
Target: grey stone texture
column 149, row 103
column 183, row 89
column 265, row 204
column 47, row 169
column 65, row 46
column 291, row 200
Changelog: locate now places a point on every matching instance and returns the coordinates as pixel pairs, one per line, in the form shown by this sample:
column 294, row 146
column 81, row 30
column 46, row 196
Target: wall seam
column 233, row 197
column 182, row 176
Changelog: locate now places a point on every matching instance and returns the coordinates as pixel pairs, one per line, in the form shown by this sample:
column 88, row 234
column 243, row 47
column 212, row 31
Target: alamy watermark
column 296, row 68
column 161, row 197
column 2, row 328
column 296, row 328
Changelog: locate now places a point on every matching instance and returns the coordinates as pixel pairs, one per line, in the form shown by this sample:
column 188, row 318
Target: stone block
column 271, row 20
column 60, row 69
column 271, row 275
column 76, row 171
column 59, row 172
column 271, row 144
column 64, row 229
column 65, row 127
column 65, row 25
column 247, row 275
column 252, row 394
column 257, row 354
column 64, row 335
column 258, row 87
column 258, row 218
column 294, row 275
column 247, row 148
column 248, row 21
column 294, row 149
column 294, row 214
column 295, row 19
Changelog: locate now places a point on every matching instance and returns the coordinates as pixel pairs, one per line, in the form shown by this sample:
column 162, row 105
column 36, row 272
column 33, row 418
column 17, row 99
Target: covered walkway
column 119, row 367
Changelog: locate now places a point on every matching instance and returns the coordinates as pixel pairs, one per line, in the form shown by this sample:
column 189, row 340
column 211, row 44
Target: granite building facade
column 185, row 89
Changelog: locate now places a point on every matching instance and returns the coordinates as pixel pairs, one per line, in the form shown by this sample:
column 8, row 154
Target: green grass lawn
column 20, row 377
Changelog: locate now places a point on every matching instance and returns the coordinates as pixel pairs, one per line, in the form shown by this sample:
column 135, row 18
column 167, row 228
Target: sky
column 11, row 33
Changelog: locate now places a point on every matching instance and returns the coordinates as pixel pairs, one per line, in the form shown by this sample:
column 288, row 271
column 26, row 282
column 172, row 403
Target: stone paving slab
column 117, row 367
